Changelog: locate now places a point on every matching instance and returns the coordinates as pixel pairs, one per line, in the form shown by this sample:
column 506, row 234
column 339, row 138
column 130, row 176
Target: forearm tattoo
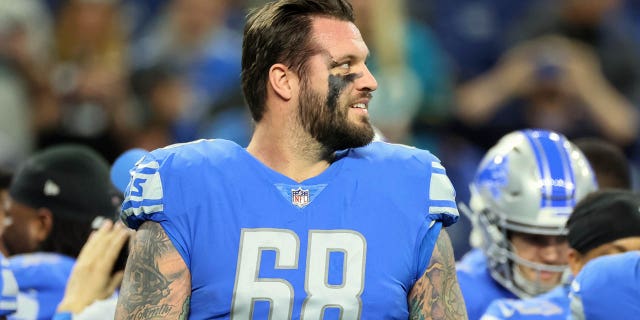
column 437, row 295
column 156, row 283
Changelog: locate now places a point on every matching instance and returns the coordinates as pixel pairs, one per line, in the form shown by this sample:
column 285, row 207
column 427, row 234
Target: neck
column 289, row 151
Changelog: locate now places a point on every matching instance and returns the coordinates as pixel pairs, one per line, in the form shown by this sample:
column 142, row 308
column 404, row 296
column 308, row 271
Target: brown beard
column 327, row 121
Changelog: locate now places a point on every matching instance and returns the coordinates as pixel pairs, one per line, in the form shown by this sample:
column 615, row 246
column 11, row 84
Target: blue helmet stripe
column 555, row 171
column 533, row 137
column 563, row 149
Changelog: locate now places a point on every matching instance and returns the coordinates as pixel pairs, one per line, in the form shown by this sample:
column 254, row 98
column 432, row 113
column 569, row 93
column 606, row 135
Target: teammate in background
column 55, row 196
column 607, row 288
column 96, row 275
column 8, row 289
column 608, row 161
column 523, row 192
column 89, row 293
column 8, row 284
column 312, row 219
column 605, row 222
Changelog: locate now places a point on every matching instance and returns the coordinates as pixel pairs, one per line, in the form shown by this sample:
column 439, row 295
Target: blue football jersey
column 8, row 297
column 553, row 305
column 42, row 278
column 607, row 287
column 349, row 243
column 478, row 288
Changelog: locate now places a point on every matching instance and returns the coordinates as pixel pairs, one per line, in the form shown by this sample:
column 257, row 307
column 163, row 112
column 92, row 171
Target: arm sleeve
column 156, row 192
column 442, row 196
column 442, row 212
column 144, row 197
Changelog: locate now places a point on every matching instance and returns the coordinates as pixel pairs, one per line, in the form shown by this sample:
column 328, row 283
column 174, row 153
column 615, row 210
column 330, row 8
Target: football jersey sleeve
column 442, row 212
column 144, row 196
column 442, row 203
column 158, row 192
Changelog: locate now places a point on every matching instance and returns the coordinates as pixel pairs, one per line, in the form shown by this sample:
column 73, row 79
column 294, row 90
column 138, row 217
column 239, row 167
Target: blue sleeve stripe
column 8, row 305
column 147, row 170
column 447, row 210
column 438, row 170
column 144, row 203
column 443, row 203
column 143, row 210
column 436, row 167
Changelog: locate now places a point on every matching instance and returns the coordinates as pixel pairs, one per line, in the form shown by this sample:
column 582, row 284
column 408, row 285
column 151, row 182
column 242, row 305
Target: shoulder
column 193, row 153
column 473, row 262
column 608, row 285
column 398, row 161
column 32, row 269
column 609, row 273
column 384, row 152
column 530, row 308
column 39, row 260
column 179, row 164
column 416, row 169
column 476, row 283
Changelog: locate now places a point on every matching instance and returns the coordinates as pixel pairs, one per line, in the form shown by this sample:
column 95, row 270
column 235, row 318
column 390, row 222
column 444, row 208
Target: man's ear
column 282, row 81
column 43, row 224
column 575, row 261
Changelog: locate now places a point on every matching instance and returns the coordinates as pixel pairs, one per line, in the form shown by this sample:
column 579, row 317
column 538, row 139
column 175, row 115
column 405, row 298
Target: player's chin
column 549, row 278
column 360, row 121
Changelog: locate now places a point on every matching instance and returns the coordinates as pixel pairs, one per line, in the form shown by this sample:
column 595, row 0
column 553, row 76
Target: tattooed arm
column 437, row 295
column 157, row 282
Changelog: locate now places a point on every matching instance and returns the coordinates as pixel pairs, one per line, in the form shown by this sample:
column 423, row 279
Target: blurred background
column 454, row 75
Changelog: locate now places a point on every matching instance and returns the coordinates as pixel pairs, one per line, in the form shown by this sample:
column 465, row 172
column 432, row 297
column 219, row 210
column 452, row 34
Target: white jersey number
column 279, row 292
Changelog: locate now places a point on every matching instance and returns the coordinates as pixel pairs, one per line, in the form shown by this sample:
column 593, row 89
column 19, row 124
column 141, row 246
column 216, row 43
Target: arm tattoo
column 156, row 283
column 437, row 295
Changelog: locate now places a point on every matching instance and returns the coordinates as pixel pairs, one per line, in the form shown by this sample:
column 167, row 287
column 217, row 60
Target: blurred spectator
column 90, row 76
column 473, row 32
column 163, row 96
column 598, row 24
column 193, row 38
column 140, row 14
column 410, row 66
column 25, row 33
column 631, row 23
column 55, row 197
column 551, row 82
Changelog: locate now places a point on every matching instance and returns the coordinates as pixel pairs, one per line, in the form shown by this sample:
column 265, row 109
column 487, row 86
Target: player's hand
column 91, row 278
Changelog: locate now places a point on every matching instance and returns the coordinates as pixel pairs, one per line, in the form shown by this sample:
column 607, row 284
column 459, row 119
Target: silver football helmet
column 528, row 182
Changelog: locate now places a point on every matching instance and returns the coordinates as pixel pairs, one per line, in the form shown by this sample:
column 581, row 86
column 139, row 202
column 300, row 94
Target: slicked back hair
column 280, row 32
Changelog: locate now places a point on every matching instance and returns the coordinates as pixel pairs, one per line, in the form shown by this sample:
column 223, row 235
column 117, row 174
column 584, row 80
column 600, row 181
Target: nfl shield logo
column 300, row 197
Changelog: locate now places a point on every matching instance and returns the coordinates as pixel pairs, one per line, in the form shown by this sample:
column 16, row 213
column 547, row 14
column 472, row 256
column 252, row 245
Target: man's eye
column 345, row 65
